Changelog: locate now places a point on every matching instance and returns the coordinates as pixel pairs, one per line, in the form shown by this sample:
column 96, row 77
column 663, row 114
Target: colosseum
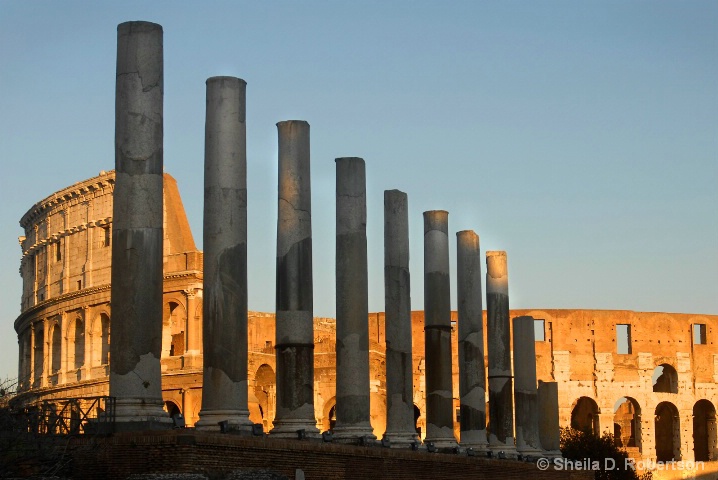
column 649, row 378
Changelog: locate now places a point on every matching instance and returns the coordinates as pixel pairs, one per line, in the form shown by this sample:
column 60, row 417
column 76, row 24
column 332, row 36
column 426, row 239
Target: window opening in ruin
column 627, row 423
column 105, row 339
column 79, row 341
column 668, row 434
column 540, row 330
column 417, row 414
column 584, row 416
column 58, row 252
column 458, row 415
column 173, row 330
column 704, row 431
column 56, row 349
column 172, row 408
column 665, row 379
column 79, row 284
column 39, row 353
column 332, row 417
column 699, row 334
column 623, row 339
column 266, row 392
column 106, row 236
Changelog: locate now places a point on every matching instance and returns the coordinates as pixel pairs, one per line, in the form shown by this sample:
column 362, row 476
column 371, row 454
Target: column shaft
column 295, row 328
column 400, row 427
column 224, row 388
column 501, row 405
column 437, row 331
column 472, row 375
column 525, row 390
column 137, row 231
column 352, row 298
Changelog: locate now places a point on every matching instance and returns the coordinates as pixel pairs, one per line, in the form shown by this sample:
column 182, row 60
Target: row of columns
column 137, row 294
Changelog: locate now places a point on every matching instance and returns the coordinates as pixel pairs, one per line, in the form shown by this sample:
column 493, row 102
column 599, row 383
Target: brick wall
column 125, row 454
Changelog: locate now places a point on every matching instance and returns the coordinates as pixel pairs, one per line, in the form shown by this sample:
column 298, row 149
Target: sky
column 580, row 137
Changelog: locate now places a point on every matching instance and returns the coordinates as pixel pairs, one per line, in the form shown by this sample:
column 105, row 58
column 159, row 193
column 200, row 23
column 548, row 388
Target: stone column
column 137, row 231
column 224, row 388
column 472, row 375
column 437, row 331
column 352, row 304
column 501, row 405
column 525, row 391
column 400, row 428
column 295, row 328
column 549, row 433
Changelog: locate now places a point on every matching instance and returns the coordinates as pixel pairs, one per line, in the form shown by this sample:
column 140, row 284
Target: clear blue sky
column 581, row 137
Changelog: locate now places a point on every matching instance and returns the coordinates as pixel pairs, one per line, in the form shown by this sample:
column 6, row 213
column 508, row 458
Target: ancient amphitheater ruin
column 649, row 377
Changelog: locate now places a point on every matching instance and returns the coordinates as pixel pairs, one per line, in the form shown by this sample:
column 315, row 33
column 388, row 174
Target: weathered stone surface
column 352, row 345
column 525, row 393
column 437, row 331
column 400, row 427
column 294, row 332
column 224, row 387
column 472, row 374
column 549, row 433
column 501, row 405
column 137, row 226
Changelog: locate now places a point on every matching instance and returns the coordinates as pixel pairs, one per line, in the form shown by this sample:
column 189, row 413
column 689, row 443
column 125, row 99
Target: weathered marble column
column 525, row 390
column 295, row 310
column 224, row 324
column 400, row 428
column 137, row 232
column 472, row 375
column 549, row 433
column 501, row 404
column 437, row 331
column 352, row 345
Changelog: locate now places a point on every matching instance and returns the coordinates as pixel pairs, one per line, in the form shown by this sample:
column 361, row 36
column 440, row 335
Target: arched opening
column 173, row 330
column 704, row 430
column 665, row 379
column 172, row 408
column 584, row 416
column 332, row 417
column 56, row 351
column 265, row 389
column 668, row 433
column 100, row 340
column 39, row 352
column 105, row 339
column 26, row 349
column 78, row 340
column 627, row 423
column 417, row 414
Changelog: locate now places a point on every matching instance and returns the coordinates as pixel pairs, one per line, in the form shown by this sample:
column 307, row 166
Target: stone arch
column 173, row 329
column 265, row 389
column 417, row 414
column 665, row 379
column 76, row 344
column 668, row 433
column 329, row 414
column 704, row 430
column 39, row 353
column 172, row 408
column 584, row 416
column 55, row 349
column 100, row 337
column 627, row 423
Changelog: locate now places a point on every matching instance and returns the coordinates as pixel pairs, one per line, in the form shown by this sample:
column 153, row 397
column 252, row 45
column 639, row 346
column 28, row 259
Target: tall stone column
column 352, row 296
column 525, row 390
column 397, row 304
column 224, row 388
column 549, row 433
column 437, row 331
column 501, row 405
column 295, row 310
column 472, row 375
column 137, row 233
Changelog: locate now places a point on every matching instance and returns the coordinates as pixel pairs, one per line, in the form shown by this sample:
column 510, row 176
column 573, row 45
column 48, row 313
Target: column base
column 529, row 451
column 508, row 449
column 290, row 429
column 402, row 439
column 475, row 439
column 552, row 453
column 237, row 421
column 352, row 434
column 135, row 414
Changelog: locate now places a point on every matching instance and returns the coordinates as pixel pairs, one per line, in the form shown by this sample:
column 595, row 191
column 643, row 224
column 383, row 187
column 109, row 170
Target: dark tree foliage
column 579, row 446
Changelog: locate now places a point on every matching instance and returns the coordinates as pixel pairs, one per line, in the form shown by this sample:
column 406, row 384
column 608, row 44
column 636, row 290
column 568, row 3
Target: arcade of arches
column 643, row 376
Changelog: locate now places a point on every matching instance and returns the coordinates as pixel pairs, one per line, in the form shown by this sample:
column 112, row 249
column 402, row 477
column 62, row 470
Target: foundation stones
column 224, row 388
